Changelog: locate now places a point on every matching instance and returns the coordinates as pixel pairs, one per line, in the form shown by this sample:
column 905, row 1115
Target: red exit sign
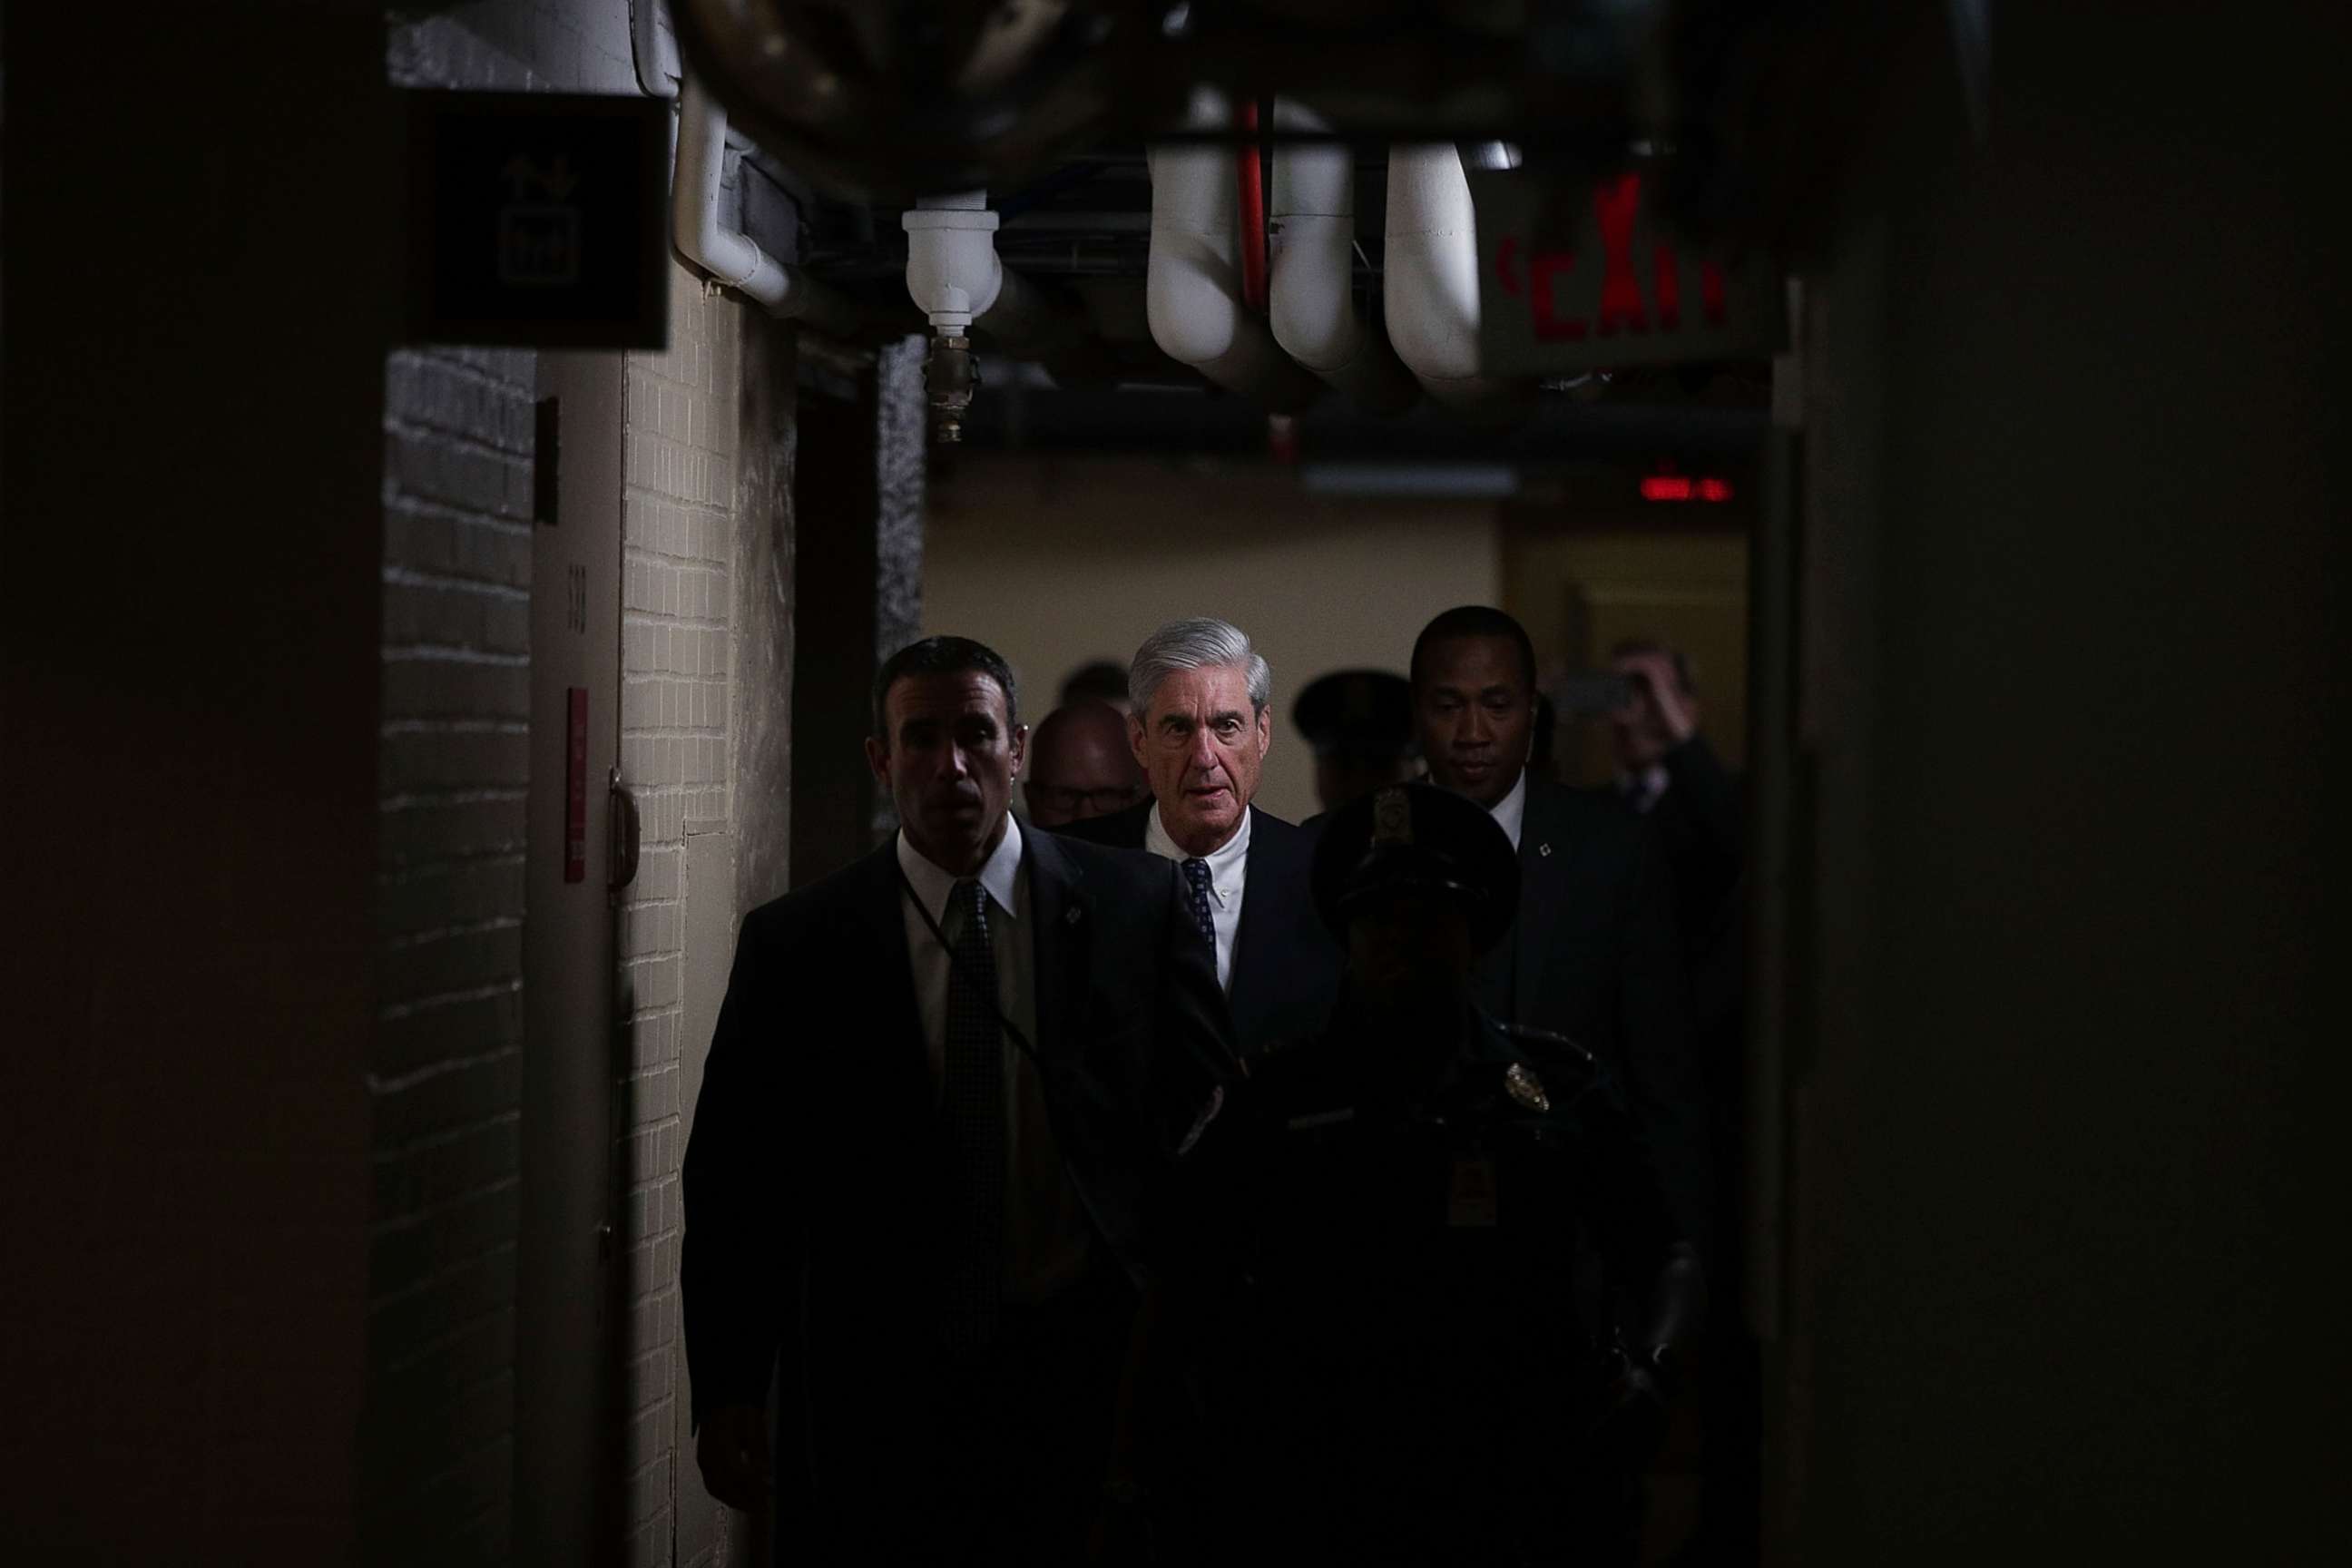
column 1596, row 281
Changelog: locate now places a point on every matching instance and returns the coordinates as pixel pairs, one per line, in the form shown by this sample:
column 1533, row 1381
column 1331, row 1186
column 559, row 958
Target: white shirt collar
column 1000, row 875
column 1226, row 862
column 1511, row 812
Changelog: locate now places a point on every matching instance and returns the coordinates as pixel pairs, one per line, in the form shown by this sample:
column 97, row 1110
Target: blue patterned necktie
column 973, row 1103
column 1196, row 883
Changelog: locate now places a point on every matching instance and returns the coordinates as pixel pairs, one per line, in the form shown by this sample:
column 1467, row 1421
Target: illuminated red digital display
column 1679, row 487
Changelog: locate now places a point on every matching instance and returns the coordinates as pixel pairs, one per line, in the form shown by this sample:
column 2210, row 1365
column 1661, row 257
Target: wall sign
column 1572, row 284
column 538, row 219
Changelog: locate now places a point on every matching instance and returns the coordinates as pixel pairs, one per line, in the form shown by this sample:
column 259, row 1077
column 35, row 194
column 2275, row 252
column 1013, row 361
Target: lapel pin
column 1544, row 850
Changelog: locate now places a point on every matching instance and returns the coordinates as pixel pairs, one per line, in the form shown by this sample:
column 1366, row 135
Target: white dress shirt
column 1228, row 876
column 1045, row 1231
column 1510, row 813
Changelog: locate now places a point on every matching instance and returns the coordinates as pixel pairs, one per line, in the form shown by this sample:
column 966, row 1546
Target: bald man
column 1080, row 765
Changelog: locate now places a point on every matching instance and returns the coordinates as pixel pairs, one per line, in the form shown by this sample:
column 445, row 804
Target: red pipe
column 1253, row 205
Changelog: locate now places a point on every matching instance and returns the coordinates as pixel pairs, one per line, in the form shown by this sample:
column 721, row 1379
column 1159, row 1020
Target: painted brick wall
column 447, row 1074
column 678, row 553
column 456, row 692
column 446, row 1078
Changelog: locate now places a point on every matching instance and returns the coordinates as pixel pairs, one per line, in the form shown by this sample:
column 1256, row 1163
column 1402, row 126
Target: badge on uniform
column 1471, row 1201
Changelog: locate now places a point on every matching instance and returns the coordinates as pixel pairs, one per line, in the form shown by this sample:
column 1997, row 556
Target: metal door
column 569, row 1276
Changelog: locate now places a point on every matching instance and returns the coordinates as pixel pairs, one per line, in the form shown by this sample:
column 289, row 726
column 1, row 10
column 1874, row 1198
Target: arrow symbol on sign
column 556, row 181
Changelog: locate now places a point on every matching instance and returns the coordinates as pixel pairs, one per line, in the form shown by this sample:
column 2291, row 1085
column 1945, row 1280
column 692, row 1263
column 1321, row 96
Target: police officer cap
column 1417, row 839
column 1363, row 714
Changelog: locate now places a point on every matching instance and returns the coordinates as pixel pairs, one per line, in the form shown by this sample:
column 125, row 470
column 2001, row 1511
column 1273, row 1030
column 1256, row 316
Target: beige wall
column 1580, row 591
column 1055, row 561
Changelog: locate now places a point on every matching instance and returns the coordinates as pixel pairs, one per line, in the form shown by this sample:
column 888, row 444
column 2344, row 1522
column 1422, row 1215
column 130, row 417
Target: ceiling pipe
column 954, row 278
column 1312, row 300
column 1250, row 195
column 953, row 272
column 1490, row 156
column 1192, row 283
column 1429, row 280
column 959, row 282
column 725, row 255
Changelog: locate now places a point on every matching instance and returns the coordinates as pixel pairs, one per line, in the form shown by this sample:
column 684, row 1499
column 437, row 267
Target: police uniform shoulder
column 1539, row 1060
column 1295, row 1043
column 1526, row 1041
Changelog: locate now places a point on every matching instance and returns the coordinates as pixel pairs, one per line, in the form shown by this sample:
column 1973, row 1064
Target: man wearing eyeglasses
column 1200, row 727
column 1080, row 766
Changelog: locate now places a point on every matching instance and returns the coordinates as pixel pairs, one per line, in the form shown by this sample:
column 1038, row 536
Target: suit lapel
column 1543, row 862
column 879, row 907
column 1262, row 884
column 1064, row 920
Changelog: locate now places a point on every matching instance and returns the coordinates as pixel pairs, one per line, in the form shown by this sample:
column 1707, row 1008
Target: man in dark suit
column 1201, row 727
column 944, row 1093
column 1593, row 952
column 1079, row 766
column 1672, row 780
column 1671, row 777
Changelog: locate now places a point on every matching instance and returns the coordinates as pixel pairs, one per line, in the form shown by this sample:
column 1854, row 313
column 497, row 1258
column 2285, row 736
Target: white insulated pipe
column 953, row 272
column 727, row 256
column 1429, row 285
column 1310, row 284
column 958, row 281
column 1192, row 283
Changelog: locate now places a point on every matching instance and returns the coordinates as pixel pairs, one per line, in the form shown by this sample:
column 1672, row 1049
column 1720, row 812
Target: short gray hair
column 1198, row 642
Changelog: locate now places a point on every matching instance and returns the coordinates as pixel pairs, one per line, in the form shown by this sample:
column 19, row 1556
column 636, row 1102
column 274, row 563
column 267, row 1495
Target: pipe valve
column 954, row 277
column 950, row 375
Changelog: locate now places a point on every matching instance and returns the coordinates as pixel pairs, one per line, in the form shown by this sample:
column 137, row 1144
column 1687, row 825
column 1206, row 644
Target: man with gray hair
column 1200, row 724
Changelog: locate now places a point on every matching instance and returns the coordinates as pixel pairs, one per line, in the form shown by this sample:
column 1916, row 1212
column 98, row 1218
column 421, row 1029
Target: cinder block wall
column 446, row 1077
column 678, row 551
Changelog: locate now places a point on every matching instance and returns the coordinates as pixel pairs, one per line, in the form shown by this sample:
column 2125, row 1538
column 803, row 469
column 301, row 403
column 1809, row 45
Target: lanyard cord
column 988, row 990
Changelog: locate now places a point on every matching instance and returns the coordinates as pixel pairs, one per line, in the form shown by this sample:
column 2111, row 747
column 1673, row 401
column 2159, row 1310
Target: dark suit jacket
column 1285, row 962
column 814, row 1192
column 1594, row 955
column 1699, row 826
